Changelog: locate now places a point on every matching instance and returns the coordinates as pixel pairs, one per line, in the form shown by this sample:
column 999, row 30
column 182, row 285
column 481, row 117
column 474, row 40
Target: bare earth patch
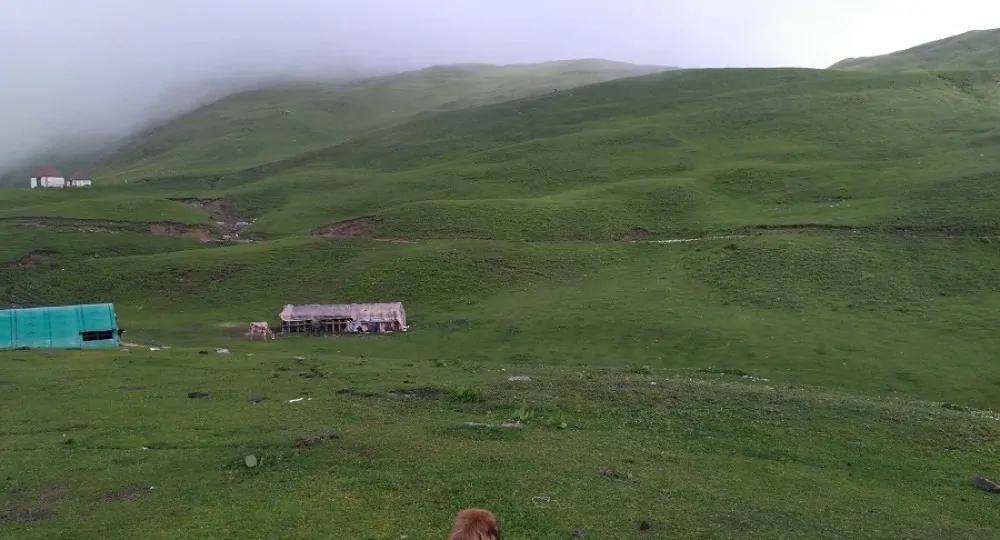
column 313, row 440
column 161, row 228
column 224, row 213
column 230, row 325
column 639, row 234
column 32, row 258
column 23, row 509
column 180, row 231
column 125, row 495
column 362, row 227
column 421, row 393
column 77, row 225
column 636, row 234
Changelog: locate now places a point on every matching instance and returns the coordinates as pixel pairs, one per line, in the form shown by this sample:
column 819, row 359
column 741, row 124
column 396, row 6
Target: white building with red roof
column 48, row 177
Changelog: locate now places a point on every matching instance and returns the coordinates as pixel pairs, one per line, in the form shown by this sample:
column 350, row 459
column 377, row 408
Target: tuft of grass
column 465, row 394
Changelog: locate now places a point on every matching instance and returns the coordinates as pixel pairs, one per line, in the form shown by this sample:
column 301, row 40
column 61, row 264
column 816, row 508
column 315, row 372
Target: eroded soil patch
column 25, row 509
column 636, row 234
column 180, row 231
column 125, row 495
column 427, row 392
column 32, row 258
column 160, row 228
column 355, row 392
column 75, row 225
column 313, row 440
column 984, row 233
column 224, row 213
column 362, row 227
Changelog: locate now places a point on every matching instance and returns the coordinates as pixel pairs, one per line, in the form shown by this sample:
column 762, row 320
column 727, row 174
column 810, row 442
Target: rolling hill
column 277, row 122
column 978, row 49
column 722, row 290
column 800, row 162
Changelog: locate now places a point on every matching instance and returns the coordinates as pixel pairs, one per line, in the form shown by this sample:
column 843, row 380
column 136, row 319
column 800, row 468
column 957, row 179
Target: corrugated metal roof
column 58, row 326
column 360, row 312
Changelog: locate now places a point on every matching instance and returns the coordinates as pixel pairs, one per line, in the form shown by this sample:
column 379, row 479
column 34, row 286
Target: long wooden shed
column 343, row 318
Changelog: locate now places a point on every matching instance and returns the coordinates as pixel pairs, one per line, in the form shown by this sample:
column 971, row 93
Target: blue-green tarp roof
column 59, row 327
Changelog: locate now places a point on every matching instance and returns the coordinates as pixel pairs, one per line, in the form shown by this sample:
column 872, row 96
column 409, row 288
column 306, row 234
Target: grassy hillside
column 676, row 154
column 978, row 49
column 262, row 126
column 691, row 454
column 833, row 310
column 523, row 206
column 827, row 323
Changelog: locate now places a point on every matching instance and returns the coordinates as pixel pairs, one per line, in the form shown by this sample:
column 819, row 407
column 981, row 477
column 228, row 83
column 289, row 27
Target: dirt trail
column 367, row 227
column 748, row 232
column 227, row 227
column 699, row 239
column 158, row 228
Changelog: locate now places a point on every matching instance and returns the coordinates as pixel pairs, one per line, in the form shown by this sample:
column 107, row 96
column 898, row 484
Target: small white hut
column 80, row 179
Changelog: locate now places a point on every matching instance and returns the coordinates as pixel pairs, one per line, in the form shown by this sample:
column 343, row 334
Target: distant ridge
column 977, row 49
column 280, row 121
column 311, row 112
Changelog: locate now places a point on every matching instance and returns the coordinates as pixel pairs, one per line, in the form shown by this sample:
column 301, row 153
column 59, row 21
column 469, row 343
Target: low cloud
column 76, row 74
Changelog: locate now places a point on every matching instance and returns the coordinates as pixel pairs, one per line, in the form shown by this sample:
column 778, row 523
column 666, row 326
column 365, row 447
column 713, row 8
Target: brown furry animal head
column 475, row 524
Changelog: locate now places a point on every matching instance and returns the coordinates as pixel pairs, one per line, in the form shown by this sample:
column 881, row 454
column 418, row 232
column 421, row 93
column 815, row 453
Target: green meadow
column 736, row 303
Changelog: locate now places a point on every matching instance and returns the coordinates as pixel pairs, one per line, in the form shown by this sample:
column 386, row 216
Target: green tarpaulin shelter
column 59, row 327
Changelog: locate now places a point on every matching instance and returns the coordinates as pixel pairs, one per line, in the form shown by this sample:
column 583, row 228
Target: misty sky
column 75, row 68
